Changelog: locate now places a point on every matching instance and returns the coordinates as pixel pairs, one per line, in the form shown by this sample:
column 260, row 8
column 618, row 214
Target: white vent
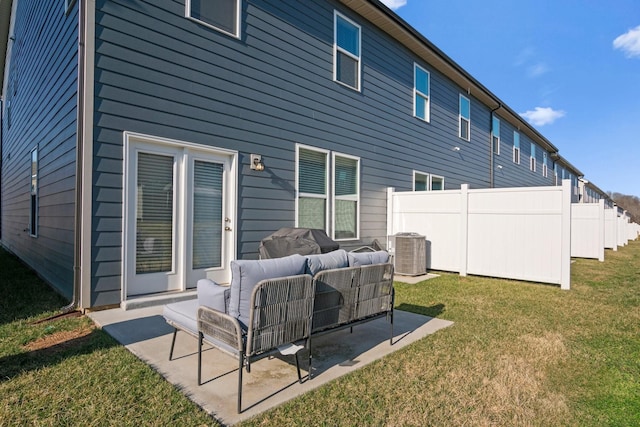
column 410, row 254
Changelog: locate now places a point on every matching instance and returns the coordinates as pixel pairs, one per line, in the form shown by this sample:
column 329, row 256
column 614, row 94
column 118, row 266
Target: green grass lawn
column 518, row 354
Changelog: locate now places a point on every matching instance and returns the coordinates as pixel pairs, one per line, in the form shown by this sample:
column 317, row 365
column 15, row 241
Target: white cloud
column 538, row 69
column 629, row 42
column 394, row 4
column 542, row 115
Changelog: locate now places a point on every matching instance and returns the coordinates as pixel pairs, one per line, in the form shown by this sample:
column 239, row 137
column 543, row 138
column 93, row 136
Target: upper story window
column 544, row 164
column 495, row 125
column 222, row 15
column 465, row 118
column 516, row 147
column 532, row 159
column 346, row 52
column 33, row 201
column 421, row 93
column 555, row 173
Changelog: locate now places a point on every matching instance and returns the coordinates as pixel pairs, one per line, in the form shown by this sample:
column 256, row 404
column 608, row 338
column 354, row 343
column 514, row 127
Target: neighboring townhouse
column 147, row 143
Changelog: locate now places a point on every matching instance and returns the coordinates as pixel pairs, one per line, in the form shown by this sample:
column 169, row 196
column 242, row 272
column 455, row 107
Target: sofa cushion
column 366, row 258
column 183, row 315
column 210, row 294
column 247, row 273
column 328, row 261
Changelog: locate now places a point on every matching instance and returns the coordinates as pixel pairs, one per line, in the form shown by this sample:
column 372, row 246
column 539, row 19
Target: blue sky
column 570, row 67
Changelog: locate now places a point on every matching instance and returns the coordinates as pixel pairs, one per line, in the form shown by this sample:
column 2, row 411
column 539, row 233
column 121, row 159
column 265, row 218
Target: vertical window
column 516, row 147
column 222, row 15
column 346, row 52
column 495, row 126
column 312, row 183
column 346, row 196
column 544, row 164
column 421, row 93
column 33, row 201
column 465, row 118
column 555, row 173
column 437, row 183
column 420, row 181
column 532, row 159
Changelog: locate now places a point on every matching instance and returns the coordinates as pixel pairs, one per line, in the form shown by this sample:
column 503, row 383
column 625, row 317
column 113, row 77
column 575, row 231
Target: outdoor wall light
column 256, row 162
column 456, row 148
column 499, row 166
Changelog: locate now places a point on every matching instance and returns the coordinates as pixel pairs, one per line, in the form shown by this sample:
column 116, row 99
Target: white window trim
column 337, row 49
column 33, row 210
column 516, row 149
column 460, row 117
column 544, row 165
column 426, row 175
column 431, row 182
column 429, row 177
column 495, row 148
column 327, row 181
column 427, row 96
column 187, row 14
column 350, row 198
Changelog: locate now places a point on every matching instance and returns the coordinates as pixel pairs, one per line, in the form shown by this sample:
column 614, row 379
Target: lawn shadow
column 47, row 356
column 431, row 311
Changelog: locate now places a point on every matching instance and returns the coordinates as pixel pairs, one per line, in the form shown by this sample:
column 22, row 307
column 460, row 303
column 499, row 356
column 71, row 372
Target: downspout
column 77, row 251
column 491, row 184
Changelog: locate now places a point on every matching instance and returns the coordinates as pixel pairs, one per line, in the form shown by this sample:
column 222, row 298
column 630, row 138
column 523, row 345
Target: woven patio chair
column 279, row 321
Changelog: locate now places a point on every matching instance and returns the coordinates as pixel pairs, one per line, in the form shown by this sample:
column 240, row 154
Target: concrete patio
column 272, row 381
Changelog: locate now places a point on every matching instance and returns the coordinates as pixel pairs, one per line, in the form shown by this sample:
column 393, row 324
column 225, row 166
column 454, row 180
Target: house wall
column 40, row 111
column 161, row 74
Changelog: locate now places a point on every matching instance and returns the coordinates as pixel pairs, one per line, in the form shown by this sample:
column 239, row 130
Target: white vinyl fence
column 588, row 230
column 611, row 228
column 515, row 233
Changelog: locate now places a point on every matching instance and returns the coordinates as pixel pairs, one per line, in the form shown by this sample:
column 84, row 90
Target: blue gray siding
column 161, row 74
column 40, row 111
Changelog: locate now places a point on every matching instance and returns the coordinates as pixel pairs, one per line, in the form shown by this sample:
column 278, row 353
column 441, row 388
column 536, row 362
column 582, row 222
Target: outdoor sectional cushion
column 212, row 295
column 328, row 261
column 183, row 313
column 366, row 258
column 247, row 273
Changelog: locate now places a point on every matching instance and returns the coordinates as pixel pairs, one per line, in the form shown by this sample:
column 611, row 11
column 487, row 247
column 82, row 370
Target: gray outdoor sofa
column 279, row 304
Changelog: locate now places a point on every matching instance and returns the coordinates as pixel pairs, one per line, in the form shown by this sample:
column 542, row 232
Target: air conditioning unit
column 410, row 254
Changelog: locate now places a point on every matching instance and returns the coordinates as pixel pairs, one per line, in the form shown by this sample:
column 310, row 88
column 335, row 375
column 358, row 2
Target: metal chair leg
column 200, row 338
column 298, row 367
column 173, row 343
column 241, row 359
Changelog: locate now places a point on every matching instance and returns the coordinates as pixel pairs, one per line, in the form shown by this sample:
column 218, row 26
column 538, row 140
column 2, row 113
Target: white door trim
column 133, row 139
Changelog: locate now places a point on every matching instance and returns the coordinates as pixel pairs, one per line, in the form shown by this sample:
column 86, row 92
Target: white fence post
column 464, row 228
column 601, row 226
column 390, row 191
column 565, row 253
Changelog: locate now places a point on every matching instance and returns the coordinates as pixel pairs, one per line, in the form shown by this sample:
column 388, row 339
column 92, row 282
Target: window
column 555, row 173
column 346, row 52
column 544, row 164
column 465, row 118
column 313, row 188
column 495, row 125
column 427, row 182
column 346, row 180
column 313, row 202
column 516, row 147
column 437, row 183
column 532, row 159
column 222, row 15
column 33, row 201
column 420, row 181
column 421, row 93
